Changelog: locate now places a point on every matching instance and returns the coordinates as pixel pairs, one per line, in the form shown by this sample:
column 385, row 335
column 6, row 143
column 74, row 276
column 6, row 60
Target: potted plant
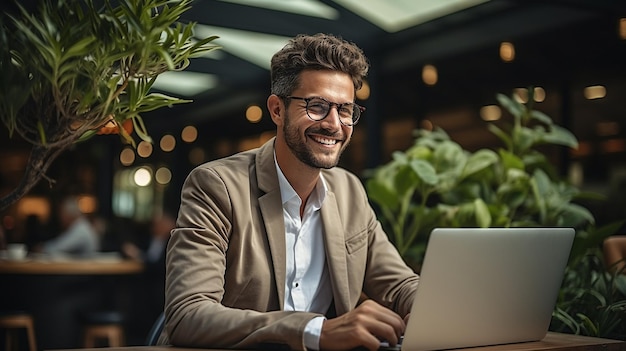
column 74, row 69
column 436, row 183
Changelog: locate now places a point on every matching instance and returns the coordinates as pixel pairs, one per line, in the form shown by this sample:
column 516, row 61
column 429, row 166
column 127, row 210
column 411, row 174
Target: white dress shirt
column 307, row 284
column 80, row 238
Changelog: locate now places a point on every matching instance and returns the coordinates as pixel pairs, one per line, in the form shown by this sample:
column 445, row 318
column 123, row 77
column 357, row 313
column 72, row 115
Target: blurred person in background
column 153, row 253
column 78, row 236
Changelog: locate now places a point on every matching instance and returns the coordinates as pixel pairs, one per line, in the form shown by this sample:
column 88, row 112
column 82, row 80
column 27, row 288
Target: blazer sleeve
column 195, row 280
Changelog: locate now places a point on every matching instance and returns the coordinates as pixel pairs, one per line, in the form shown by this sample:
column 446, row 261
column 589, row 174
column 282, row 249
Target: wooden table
column 86, row 266
column 552, row 342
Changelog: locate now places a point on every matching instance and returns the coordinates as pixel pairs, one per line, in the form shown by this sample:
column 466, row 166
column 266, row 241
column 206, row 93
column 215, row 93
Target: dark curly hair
column 316, row 52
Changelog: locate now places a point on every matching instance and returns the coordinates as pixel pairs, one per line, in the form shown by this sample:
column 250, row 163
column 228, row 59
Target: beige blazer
column 225, row 280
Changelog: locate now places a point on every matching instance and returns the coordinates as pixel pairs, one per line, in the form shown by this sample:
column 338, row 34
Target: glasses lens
column 317, row 108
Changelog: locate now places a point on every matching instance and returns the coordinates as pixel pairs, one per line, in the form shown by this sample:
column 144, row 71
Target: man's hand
column 364, row 326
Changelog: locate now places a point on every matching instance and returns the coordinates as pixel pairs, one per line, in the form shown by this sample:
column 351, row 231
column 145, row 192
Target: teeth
column 325, row 141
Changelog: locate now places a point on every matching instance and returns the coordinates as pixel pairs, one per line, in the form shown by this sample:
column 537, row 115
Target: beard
column 299, row 147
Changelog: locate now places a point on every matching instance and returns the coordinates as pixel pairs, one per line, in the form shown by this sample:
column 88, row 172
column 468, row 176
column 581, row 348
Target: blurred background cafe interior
column 435, row 64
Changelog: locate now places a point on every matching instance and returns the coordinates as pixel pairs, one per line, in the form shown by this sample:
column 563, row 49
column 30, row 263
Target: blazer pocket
column 356, row 242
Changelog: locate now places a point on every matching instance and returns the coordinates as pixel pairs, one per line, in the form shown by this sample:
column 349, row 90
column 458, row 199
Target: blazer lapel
column 270, row 204
column 336, row 253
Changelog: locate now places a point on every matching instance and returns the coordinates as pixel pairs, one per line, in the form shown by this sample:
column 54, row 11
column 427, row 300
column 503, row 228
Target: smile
column 325, row 141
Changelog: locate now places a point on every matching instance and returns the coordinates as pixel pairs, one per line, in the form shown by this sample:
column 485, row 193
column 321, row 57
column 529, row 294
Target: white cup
column 16, row 251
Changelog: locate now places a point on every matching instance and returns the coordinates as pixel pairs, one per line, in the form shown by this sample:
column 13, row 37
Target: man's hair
column 316, row 52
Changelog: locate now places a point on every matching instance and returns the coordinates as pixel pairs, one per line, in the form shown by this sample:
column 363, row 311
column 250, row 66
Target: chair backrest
column 155, row 331
column 614, row 251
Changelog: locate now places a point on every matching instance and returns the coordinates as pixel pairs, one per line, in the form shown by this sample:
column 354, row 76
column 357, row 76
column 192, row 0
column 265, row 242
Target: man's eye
column 317, row 106
column 346, row 111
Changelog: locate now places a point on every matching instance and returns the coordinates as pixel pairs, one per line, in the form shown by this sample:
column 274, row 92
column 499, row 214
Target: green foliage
column 592, row 301
column 72, row 66
column 436, row 183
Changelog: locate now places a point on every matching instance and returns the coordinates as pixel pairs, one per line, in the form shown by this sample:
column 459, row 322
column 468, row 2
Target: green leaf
column 510, row 160
column 478, row 161
column 501, row 134
column 514, row 107
column 524, row 139
column 381, row 193
column 541, row 117
column 425, row 171
column 561, row 136
column 405, row 180
column 575, row 215
column 483, row 216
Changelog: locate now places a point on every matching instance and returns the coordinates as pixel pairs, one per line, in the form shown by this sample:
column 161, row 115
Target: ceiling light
column 144, row 149
column 142, row 177
column 185, row 83
column 507, row 51
column 87, row 204
column 163, row 175
column 490, row 113
column 364, row 92
column 254, row 114
column 396, row 15
column 429, row 75
column 539, row 94
column 520, row 95
column 595, row 92
column 127, row 156
column 311, row 8
column 167, row 143
column 189, row 134
column 254, row 47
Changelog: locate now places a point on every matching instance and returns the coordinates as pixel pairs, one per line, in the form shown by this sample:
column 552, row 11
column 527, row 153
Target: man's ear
column 276, row 107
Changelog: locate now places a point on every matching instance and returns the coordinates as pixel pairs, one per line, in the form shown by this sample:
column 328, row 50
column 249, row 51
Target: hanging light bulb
column 507, row 51
column 429, row 75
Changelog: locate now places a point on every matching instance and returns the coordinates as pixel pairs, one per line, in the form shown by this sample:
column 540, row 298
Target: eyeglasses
column 318, row 108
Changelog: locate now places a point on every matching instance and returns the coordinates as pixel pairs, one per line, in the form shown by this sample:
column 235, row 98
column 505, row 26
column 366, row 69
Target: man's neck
column 301, row 177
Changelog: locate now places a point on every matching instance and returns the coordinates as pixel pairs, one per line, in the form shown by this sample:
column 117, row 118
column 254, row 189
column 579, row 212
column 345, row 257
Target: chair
column 155, row 331
column 106, row 325
column 614, row 251
column 11, row 321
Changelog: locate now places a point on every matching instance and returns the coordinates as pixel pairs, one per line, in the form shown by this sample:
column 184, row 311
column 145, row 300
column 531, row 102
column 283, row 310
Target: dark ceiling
column 557, row 43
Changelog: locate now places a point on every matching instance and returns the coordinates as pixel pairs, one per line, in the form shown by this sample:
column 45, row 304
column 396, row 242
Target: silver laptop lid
column 487, row 286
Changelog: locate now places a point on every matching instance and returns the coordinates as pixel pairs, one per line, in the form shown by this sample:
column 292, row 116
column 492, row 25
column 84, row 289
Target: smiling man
column 276, row 245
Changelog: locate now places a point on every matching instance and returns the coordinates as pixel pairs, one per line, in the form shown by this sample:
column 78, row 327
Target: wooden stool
column 18, row 320
column 104, row 326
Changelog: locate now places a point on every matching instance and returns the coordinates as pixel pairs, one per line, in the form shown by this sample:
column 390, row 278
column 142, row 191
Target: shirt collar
column 287, row 192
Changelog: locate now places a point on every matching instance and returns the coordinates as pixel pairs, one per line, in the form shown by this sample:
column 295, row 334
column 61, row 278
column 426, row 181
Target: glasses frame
column 355, row 120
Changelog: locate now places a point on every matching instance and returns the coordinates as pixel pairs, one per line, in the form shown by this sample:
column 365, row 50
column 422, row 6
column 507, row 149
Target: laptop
column 487, row 286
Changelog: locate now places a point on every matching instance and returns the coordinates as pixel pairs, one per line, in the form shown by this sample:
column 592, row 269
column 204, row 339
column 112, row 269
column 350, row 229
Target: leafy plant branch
column 72, row 67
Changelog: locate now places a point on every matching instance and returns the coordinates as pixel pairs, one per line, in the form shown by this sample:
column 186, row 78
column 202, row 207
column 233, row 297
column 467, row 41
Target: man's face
column 318, row 144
